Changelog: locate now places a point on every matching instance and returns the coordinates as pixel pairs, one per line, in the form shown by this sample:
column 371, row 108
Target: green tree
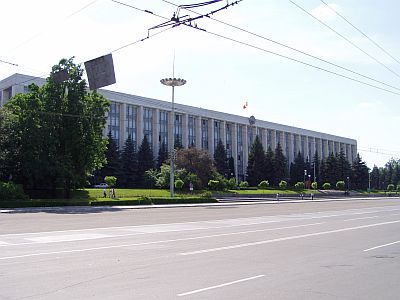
column 145, row 161
column 331, row 172
column 280, row 164
column 359, row 171
column 269, row 165
column 316, row 166
column 113, row 164
column 198, row 162
column 111, row 181
column 343, row 166
column 256, row 163
column 231, row 166
column 162, row 154
column 57, row 131
column 297, row 169
column 129, row 164
column 375, row 178
column 221, row 160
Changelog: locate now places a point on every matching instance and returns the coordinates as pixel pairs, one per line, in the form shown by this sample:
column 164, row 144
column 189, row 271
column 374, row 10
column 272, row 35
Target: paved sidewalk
column 233, row 202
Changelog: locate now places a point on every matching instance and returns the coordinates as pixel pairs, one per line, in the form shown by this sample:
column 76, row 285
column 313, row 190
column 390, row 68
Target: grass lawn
column 97, row 194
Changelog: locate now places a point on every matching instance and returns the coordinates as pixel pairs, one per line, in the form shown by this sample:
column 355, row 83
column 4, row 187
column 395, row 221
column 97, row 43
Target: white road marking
column 219, row 286
column 381, row 246
column 286, row 238
column 152, row 243
column 373, row 217
column 67, row 237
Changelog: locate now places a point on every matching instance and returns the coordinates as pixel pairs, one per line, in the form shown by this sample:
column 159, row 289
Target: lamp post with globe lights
column 172, row 82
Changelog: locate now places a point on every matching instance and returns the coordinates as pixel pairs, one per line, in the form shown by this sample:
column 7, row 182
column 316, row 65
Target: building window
column 148, row 124
column 191, row 131
column 217, row 133
column 131, row 116
column 204, row 134
column 269, row 138
column 113, row 121
column 7, row 94
column 303, row 145
column 240, row 162
column 229, row 140
column 295, row 150
column 250, row 138
column 163, row 135
column 259, row 134
column 309, row 155
column 178, row 130
column 287, row 144
column 278, row 139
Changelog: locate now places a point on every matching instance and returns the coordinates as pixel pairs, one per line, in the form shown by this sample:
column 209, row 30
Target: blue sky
column 222, row 75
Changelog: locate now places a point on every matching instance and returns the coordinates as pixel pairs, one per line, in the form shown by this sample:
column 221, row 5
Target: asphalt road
column 330, row 250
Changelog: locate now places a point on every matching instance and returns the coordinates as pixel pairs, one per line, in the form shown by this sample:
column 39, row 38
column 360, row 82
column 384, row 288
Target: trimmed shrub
column 11, row 191
column 207, row 195
column 390, row 187
column 213, row 184
column 244, row 184
column 314, row 185
column 263, row 184
column 179, row 184
column 340, row 185
column 398, row 187
column 231, row 184
column 299, row 185
column 282, row 184
column 326, row 186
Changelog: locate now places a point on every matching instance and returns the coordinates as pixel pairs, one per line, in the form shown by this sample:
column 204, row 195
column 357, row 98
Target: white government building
column 197, row 127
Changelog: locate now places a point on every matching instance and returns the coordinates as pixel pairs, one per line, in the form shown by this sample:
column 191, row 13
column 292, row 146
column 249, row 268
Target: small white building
column 197, row 127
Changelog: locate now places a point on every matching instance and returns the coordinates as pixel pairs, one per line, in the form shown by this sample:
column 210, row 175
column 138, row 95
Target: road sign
column 100, row 71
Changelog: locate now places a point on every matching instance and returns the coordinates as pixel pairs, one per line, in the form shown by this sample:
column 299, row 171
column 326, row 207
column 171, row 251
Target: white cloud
column 324, row 13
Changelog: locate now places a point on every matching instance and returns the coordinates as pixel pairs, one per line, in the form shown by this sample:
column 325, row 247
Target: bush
column 244, row 184
column 179, row 184
column 263, row 184
column 11, row 191
column 314, row 185
column 231, row 184
column 340, row 185
column 110, row 180
column 207, row 195
column 390, row 187
column 282, row 184
column 299, row 185
column 213, row 184
column 222, row 181
column 398, row 187
column 326, row 186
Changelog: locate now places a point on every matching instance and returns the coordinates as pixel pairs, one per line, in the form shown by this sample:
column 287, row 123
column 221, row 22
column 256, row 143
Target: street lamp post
column 315, row 177
column 173, row 82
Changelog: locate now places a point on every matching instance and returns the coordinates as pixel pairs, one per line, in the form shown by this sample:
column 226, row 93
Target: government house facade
column 197, row 127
